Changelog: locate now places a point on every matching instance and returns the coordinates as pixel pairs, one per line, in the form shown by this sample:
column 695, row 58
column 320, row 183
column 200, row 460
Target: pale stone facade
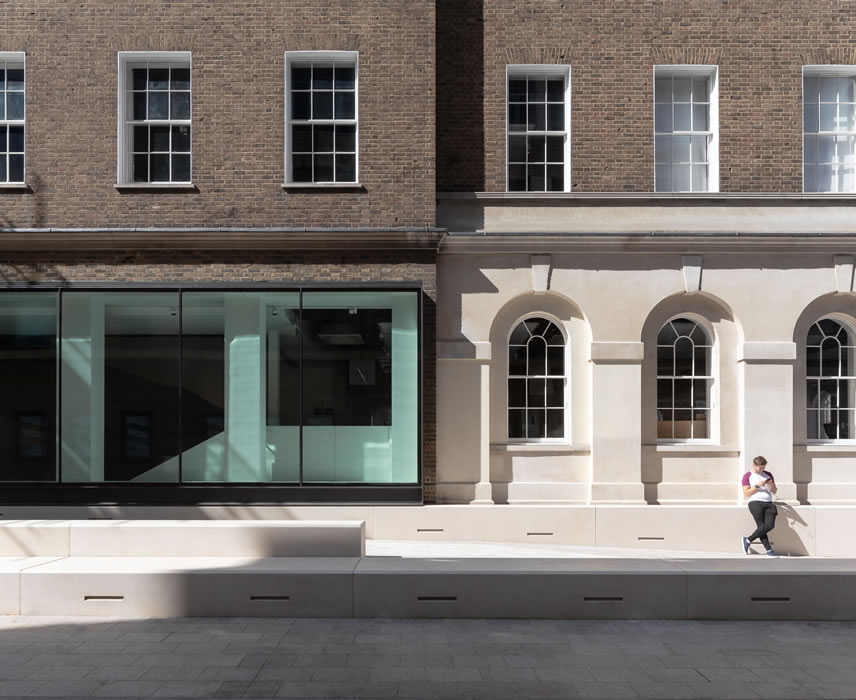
column 755, row 271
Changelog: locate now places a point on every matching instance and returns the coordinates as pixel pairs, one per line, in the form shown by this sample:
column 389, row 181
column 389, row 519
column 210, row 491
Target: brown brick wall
column 238, row 72
column 183, row 267
column 612, row 46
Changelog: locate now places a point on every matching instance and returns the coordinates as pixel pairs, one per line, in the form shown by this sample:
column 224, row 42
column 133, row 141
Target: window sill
column 838, row 446
column 15, row 187
column 531, row 447
column 696, row 446
column 175, row 186
column 324, row 186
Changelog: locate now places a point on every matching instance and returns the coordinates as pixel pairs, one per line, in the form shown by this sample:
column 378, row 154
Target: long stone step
column 755, row 588
column 183, row 538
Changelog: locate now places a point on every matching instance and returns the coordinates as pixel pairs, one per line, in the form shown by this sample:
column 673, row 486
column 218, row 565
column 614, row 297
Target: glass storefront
column 183, row 387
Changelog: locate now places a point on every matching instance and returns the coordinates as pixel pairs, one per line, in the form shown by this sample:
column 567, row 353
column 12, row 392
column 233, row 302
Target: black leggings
column 765, row 514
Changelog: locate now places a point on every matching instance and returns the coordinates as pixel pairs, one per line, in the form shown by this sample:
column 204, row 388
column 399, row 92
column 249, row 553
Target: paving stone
column 187, row 689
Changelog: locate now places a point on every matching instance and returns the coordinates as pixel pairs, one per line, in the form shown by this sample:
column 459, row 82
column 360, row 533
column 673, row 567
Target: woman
column 759, row 487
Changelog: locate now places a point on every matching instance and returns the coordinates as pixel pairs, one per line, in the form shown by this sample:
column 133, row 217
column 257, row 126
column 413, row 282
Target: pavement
column 379, row 658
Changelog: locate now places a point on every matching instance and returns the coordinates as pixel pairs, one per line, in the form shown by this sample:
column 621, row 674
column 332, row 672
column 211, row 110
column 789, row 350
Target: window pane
column 683, row 88
column 845, row 117
column 699, row 149
column 14, row 78
column 537, row 357
column 301, row 77
column 700, row 178
column 516, row 90
column 136, row 436
column 14, row 105
column 537, row 90
column 700, row 90
column 517, row 117
column 301, row 167
column 536, row 427
column 322, row 105
column 555, row 178
column 663, row 117
column 846, row 91
column 665, row 361
column 16, row 139
column 556, row 90
column 700, row 122
column 158, row 79
column 810, row 149
column 553, row 335
column 517, row 149
column 556, row 392
column 683, row 357
column 683, row 389
column 159, row 138
column 555, row 149
column 180, row 79
column 344, row 105
column 345, row 77
column 811, row 89
column 537, row 117
column 828, row 117
column 846, row 180
column 680, row 178
column 701, row 361
column 160, row 167
column 300, row 105
column 683, row 117
column 141, row 139
column 181, row 138
column 28, row 363
column 663, row 178
column 663, row 90
column 141, row 168
column 810, row 178
column 324, row 167
column 139, row 106
column 517, row 393
column 323, row 138
column 664, row 393
column 180, row 107
column 555, row 117
column 517, row 360
column 139, row 76
column 538, row 326
column 346, row 167
column 346, row 138
column 16, row 168
column 555, row 424
column 516, row 178
column 701, row 425
column 158, row 105
column 517, row 424
column 181, row 167
column 663, row 149
column 810, row 118
column 322, row 77
column 828, row 89
column 812, row 354
column 520, row 335
column 701, row 393
column 556, row 360
column 2, row 105
column 301, row 138
column 535, row 181
column 536, row 149
column 825, row 182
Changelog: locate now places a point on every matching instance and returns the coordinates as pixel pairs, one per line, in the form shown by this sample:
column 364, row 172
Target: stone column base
column 629, row 493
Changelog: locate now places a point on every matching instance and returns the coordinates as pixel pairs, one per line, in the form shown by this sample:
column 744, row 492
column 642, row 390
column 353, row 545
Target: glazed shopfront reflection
column 201, row 387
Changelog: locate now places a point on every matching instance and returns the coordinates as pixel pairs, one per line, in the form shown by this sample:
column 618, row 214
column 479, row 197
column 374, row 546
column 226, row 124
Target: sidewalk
column 258, row 658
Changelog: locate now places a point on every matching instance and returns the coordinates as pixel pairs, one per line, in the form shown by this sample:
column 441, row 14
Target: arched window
column 830, row 381
column 536, row 381
column 684, row 381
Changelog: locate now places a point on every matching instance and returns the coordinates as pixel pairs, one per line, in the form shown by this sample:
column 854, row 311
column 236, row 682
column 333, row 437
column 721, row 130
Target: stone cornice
column 225, row 238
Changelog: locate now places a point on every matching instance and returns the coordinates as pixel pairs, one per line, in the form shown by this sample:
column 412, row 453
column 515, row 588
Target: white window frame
column 322, row 56
column 820, row 71
column 566, row 407
column 713, row 410
column 125, row 123
column 524, row 70
column 693, row 71
column 850, row 380
column 16, row 59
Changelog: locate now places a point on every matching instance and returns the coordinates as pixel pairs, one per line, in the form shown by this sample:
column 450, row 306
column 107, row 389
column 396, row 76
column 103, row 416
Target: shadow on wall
column 460, row 96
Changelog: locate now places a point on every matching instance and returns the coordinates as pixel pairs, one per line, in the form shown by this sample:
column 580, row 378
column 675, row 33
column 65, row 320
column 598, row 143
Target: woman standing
column 759, row 487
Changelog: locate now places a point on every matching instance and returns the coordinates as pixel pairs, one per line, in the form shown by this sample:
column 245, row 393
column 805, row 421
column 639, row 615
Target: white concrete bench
column 183, row 538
